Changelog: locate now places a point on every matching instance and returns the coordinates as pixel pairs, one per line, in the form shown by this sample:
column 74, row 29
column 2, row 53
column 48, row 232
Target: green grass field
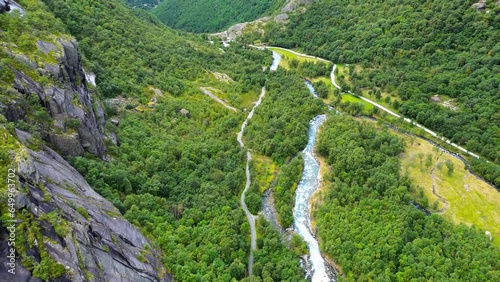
column 467, row 200
column 353, row 99
column 265, row 171
column 287, row 56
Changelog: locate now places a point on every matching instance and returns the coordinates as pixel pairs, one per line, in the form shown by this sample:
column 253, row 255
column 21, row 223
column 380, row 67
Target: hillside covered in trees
column 366, row 224
column 143, row 4
column 415, row 51
column 173, row 166
column 212, row 15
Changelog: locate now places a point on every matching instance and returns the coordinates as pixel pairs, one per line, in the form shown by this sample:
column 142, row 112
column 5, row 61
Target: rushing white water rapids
column 308, row 184
column 276, row 61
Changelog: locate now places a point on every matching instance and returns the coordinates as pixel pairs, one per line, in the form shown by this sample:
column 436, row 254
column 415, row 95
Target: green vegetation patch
column 279, row 126
column 414, row 52
column 456, row 194
column 366, row 224
column 212, row 15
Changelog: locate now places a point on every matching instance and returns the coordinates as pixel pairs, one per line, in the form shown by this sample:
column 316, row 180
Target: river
column 307, row 185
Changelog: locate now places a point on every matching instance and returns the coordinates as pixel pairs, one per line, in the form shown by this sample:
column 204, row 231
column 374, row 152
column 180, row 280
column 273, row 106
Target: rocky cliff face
column 75, row 226
column 78, row 119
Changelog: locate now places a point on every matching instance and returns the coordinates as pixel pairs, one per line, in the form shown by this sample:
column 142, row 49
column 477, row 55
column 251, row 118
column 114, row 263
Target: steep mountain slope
column 443, row 49
column 63, row 229
column 44, row 87
column 178, row 171
column 212, row 15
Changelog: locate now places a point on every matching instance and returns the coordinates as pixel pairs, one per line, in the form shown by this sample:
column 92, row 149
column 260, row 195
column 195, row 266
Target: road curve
column 291, row 51
column 250, row 217
column 332, row 76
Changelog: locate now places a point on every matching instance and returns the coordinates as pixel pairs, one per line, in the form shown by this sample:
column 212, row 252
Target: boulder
column 185, row 112
column 488, row 235
column 4, row 6
column 435, row 99
column 479, row 6
column 115, row 121
column 281, row 18
column 292, row 5
column 113, row 138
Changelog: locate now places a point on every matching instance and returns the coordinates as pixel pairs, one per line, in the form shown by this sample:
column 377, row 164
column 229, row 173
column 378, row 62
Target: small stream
column 311, row 88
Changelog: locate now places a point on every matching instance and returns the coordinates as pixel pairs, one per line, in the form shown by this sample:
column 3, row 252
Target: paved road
column 332, row 76
column 291, row 51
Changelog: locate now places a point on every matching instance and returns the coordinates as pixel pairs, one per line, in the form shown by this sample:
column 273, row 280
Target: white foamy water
column 308, row 184
column 276, row 61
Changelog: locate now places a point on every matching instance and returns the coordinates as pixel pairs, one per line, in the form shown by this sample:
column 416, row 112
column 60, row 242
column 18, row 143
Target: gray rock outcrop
column 10, row 6
column 479, row 6
column 281, row 18
column 292, row 5
column 78, row 119
column 98, row 245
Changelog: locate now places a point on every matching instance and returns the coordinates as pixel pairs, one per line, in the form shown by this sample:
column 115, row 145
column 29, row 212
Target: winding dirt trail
column 250, row 216
column 435, row 192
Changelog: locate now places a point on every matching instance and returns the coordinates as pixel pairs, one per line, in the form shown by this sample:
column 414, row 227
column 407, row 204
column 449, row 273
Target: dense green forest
column 366, row 224
column 443, row 48
column 279, row 127
column 178, row 170
column 129, row 51
column 212, row 15
column 176, row 176
column 284, row 190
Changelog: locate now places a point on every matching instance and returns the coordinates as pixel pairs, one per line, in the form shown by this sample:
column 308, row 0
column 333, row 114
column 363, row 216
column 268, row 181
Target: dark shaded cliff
column 64, row 230
column 76, row 123
column 68, row 232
